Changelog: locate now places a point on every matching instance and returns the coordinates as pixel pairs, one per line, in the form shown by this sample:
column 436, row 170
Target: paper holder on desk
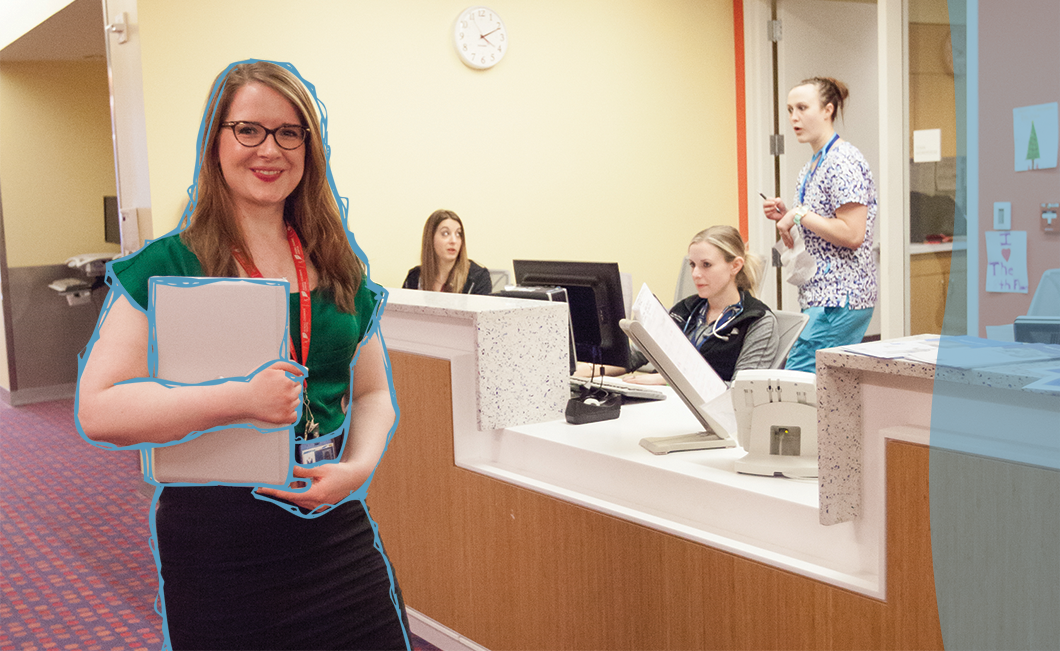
column 776, row 422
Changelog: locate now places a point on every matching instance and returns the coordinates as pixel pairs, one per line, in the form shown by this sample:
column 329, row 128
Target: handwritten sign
column 1006, row 261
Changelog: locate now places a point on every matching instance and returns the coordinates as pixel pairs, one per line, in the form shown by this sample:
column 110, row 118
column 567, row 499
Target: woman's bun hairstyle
column 831, row 91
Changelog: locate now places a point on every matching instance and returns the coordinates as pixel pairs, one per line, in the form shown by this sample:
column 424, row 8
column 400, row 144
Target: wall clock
column 480, row 37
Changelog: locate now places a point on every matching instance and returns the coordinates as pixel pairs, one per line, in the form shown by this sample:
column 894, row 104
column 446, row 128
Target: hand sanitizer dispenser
column 78, row 291
column 776, row 422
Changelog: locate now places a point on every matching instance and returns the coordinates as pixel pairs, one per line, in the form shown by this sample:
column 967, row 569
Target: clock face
column 480, row 37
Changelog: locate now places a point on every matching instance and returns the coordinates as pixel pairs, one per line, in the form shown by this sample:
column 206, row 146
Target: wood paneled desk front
column 552, row 536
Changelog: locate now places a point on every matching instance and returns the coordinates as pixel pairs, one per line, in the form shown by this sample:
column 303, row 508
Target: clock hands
column 486, row 50
column 483, row 37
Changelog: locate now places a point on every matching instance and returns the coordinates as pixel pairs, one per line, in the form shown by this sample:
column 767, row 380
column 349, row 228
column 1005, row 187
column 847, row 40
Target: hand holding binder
column 208, row 330
column 277, row 391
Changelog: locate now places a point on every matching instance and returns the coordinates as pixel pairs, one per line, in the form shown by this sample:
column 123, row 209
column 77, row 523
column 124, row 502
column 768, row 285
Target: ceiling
column 74, row 33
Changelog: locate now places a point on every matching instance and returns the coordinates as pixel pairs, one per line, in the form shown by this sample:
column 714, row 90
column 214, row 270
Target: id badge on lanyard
column 318, row 451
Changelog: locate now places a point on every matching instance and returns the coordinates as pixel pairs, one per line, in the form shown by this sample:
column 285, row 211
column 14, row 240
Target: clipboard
column 204, row 330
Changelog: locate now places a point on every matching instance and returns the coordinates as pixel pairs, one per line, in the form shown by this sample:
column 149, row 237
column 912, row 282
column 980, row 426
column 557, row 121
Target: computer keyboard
column 615, row 385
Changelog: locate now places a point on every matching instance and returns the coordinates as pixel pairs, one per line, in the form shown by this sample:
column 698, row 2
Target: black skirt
column 243, row 573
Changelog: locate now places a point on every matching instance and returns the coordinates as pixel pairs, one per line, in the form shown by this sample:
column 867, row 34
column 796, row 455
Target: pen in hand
column 765, row 198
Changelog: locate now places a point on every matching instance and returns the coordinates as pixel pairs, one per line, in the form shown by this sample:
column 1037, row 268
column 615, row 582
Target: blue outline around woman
column 239, row 567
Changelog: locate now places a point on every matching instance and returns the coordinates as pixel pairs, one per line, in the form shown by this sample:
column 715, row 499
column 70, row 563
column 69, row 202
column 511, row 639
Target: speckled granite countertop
column 838, row 358
column 1009, row 376
column 840, row 418
column 839, row 425
column 520, row 349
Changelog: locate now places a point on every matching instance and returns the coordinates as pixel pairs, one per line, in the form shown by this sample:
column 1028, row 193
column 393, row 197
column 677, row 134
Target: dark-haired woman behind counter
column 444, row 265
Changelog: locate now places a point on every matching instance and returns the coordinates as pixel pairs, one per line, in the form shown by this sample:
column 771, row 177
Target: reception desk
column 541, row 534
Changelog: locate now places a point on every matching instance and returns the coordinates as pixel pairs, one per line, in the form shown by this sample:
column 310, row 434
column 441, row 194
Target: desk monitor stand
column 715, row 435
column 685, row 443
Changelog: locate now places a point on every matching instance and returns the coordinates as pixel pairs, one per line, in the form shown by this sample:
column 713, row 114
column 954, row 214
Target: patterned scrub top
column 845, row 277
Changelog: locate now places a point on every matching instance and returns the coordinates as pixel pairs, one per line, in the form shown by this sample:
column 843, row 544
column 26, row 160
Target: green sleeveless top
column 335, row 334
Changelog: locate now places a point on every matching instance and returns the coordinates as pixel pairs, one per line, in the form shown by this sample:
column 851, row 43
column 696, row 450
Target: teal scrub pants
column 828, row 327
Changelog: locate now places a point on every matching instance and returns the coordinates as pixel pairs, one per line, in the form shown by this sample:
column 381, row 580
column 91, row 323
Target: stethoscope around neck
column 727, row 315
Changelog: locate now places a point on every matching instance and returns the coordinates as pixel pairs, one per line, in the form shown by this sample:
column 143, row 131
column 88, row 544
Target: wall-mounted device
column 776, row 422
column 78, row 291
column 1050, row 224
column 92, row 265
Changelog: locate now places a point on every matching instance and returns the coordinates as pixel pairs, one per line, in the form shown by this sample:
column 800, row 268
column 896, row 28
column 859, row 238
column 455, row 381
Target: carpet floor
column 76, row 569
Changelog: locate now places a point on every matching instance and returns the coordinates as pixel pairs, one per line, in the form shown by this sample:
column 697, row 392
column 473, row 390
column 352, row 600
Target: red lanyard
column 305, row 303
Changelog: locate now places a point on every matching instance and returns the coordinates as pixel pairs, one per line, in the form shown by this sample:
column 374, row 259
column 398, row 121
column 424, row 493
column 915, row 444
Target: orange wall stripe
column 741, row 114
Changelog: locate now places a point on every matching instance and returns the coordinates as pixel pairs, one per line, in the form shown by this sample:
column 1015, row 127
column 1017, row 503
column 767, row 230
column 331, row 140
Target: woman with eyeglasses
column 729, row 327
column 261, row 568
column 444, row 265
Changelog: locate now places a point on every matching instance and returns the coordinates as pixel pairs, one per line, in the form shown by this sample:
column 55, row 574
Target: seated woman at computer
column 444, row 265
column 729, row 327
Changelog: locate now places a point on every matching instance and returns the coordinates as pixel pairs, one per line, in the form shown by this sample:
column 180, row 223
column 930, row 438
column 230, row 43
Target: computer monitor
column 111, row 220
column 594, row 295
column 1037, row 329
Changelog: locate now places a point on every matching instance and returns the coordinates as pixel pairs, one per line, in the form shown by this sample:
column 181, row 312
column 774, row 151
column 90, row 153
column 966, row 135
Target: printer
column 776, row 422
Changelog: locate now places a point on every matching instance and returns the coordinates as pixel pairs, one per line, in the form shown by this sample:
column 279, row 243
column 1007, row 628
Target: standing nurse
column 835, row 206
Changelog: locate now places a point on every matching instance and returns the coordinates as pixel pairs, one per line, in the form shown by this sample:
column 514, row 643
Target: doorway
column 835, row 38
column 56, row 126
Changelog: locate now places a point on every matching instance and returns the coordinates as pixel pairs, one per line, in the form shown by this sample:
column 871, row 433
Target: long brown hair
column 728, row 240
column 430, row 269
column 312, row 209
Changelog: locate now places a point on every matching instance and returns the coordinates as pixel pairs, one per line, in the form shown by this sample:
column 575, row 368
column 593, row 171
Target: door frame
column 892, row 178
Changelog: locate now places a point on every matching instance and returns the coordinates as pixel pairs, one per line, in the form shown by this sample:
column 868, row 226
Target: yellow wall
column 606, row 133
column 5, row 373
column 929, row 11
column 21, row 17
column 56, row 159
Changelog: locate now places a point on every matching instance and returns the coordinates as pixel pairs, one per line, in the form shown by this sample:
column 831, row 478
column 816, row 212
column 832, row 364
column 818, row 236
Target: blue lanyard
column 815, row 162
column 701, row 333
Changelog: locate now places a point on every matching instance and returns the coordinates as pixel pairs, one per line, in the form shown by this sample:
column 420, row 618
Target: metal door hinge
column 776, row 144
column 773, row 31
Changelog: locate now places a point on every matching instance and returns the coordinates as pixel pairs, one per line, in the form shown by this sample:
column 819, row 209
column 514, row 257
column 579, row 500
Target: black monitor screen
column 594, row 294
column 1037, row 330
column 111, row 220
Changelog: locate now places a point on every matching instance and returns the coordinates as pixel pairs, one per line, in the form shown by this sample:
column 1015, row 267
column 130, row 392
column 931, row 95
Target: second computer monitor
column 594, row 294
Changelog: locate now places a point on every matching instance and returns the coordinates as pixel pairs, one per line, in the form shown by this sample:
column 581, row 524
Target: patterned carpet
column 76, row 571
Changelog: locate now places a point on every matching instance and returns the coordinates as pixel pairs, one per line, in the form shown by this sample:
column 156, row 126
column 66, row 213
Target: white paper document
column 656, row 320
column 920, row 350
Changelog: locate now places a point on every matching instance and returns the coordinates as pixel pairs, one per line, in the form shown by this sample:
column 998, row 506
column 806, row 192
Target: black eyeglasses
column 252, row 134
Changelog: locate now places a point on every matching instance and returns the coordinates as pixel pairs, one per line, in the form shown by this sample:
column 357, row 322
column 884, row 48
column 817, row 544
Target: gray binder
column 203, row 329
